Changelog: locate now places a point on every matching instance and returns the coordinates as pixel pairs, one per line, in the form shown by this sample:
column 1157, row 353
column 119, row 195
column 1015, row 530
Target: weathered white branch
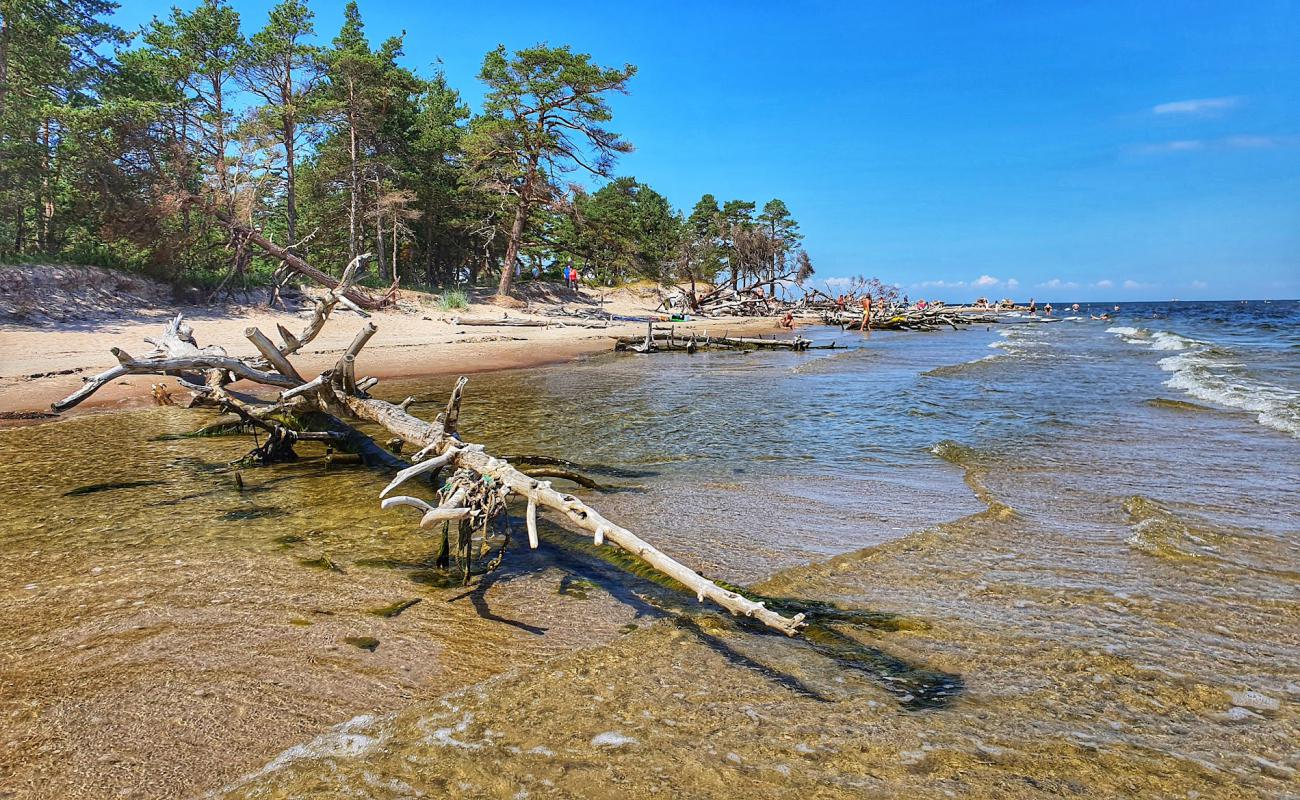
column 448, row 509
column 423, row 434
column 420, row 468
column 272, row 354
column 404, row 500
column 531, row 519
column 307, row 388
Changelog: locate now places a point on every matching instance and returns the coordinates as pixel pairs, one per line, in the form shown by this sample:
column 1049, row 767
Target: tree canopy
column 129, row 149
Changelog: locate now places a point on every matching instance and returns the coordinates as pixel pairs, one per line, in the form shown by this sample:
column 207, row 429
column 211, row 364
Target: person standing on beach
column 866, row 313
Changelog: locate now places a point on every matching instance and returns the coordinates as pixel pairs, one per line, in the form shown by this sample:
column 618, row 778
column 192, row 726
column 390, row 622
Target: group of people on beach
column 1074, row 309
column 569, row 273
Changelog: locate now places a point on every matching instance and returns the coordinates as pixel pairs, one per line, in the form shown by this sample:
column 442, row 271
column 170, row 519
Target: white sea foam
column 1201, row 375
column 1125, row 332
column 350, row 739
column 611, row 739
column 1164, row 340
column 1207, row 373
column 1020, row 340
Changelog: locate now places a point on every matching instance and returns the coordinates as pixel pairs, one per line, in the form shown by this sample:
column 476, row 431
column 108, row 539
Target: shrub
column 453, row 299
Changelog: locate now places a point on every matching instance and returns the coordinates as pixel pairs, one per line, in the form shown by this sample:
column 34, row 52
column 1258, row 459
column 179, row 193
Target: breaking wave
column 1215, row 374
column 1156, row 340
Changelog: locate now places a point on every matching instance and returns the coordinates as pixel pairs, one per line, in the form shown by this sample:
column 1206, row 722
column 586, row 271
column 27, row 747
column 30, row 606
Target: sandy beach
column 46, row 360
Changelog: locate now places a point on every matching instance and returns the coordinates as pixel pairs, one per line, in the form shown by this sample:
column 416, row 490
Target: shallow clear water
column 1058, row 569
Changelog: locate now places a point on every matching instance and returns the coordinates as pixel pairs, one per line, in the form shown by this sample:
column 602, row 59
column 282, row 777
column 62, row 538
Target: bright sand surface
column 40, row 364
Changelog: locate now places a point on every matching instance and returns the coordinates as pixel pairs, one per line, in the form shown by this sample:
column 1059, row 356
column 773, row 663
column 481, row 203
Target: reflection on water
column 1027, row 580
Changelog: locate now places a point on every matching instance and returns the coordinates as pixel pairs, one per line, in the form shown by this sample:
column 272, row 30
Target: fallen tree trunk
column 476, row 493
column 657, row 339
column 501, row 323
column 435, row 439
column 297, row 264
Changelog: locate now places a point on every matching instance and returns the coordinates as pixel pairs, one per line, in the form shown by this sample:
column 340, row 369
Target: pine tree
column 281, row 68
column 543, row 116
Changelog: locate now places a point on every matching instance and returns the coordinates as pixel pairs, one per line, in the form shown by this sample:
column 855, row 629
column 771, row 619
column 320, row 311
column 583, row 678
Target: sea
column 1041, row 558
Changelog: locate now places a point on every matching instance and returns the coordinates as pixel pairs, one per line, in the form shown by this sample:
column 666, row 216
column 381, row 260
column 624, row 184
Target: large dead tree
column 295, row 263
column 473, row 498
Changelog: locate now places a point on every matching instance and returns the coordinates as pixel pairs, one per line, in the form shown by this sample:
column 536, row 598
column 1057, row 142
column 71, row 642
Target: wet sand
column 1115, row 623
column 1061, row 690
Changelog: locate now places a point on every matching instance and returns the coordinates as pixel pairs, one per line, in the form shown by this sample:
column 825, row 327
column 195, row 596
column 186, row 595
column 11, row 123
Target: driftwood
column 295, row 263
column 662, row 339
column 472, row 499
column 913, row 319
column 502, row 322
column 510, row 322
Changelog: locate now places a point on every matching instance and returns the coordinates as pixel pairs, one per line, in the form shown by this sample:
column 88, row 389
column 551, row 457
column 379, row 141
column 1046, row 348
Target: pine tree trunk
column 380, row 255
column 44, row 199
column 6, row 33
column 512, row 249
column 291, row 185
column 354, row 174
column 219, row 136
column 428, row 250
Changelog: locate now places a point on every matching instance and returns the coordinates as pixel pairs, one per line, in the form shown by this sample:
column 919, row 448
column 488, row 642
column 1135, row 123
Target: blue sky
column 1058, row 150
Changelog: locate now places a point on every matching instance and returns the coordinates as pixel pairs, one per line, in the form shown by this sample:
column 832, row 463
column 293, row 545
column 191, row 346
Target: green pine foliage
column 123, row 150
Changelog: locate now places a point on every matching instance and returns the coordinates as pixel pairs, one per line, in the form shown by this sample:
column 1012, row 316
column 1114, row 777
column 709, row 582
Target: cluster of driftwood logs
column 473, row 497
column 905, row 319
column 665, row 338
column 814, row 306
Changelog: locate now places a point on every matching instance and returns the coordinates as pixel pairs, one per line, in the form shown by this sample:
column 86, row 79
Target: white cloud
column 1176, row 146
column 1132, row 284
column 1105, row 283
column 833, row 282
column 1057, row 283
column 940, row 285
column 983, row 282
column 1249, row 142
column 1202, row 106
column 1237, row 142
column 1199, row 285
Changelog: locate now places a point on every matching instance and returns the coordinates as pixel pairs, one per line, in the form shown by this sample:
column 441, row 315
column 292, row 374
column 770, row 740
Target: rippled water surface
column 1041, row 560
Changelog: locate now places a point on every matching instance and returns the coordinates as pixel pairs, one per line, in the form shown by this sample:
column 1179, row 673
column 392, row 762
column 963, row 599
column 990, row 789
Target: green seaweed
column 1176, row 405
column 438, row 578
column 367, row 643
column 256, row 512
column 108, row 487
column 823, row 611
column 394, row 609
column 577, row 588
column 323, row 562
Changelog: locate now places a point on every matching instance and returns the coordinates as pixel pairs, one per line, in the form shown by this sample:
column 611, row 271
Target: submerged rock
column 1255, row 700
column 368, row 643
column 1274, row 769
column 611, row 739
